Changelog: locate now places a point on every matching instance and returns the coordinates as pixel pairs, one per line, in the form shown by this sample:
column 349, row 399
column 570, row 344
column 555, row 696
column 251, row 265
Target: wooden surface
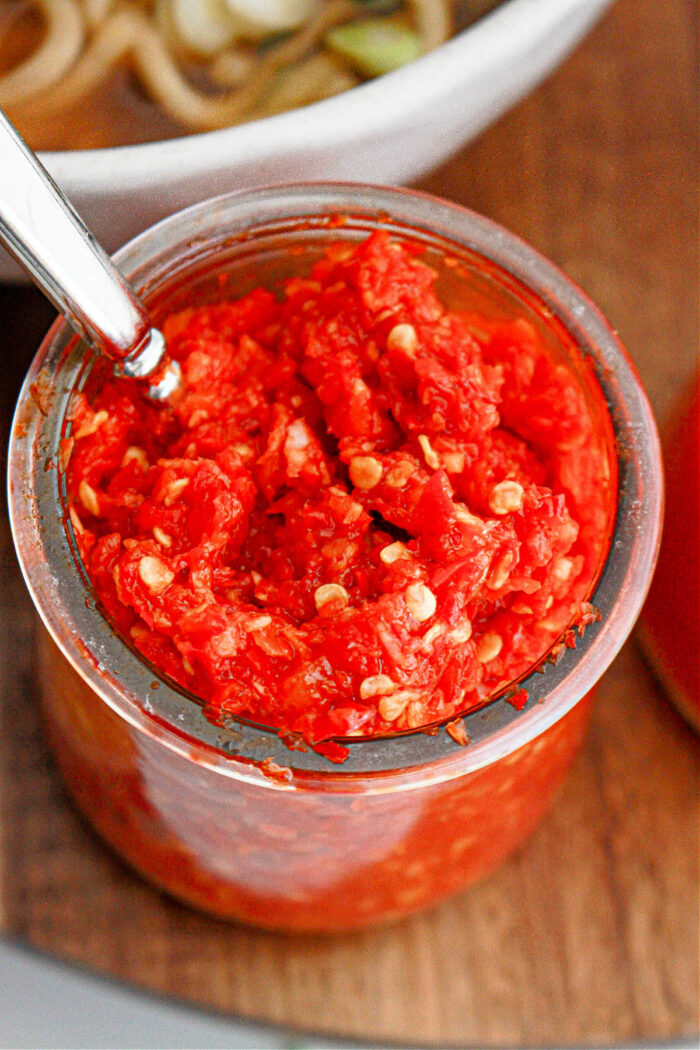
column 589, row 933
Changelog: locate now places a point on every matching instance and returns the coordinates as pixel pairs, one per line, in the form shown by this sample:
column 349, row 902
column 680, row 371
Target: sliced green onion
column 375, row 45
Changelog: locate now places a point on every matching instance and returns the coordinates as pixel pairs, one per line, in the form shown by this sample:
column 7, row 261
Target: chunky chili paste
column 364, row 514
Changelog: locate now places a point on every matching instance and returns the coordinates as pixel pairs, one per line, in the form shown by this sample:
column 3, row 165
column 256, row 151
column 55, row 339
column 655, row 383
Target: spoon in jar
column 45, row 235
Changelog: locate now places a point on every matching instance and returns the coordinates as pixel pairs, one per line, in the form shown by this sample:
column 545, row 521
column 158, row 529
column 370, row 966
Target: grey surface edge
column 48, row 1004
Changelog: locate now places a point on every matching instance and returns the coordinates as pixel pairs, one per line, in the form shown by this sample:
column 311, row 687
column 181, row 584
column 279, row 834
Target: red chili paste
column 365, row 514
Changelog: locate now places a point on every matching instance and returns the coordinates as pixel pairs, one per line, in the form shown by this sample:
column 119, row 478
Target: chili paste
column 364, row 514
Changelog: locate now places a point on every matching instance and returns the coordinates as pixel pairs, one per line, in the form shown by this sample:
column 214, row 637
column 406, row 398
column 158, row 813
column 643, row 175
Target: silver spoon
column 48, row 239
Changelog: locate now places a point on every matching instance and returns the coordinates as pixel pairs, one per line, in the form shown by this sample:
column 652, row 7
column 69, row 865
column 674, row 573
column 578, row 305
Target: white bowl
column 389, row 130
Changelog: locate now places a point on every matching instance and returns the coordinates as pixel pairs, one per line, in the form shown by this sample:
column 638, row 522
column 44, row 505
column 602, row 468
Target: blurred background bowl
column 389, row 130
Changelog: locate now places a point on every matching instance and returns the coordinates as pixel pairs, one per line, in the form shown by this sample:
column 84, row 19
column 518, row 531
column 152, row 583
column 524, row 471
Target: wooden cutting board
column 589, row 933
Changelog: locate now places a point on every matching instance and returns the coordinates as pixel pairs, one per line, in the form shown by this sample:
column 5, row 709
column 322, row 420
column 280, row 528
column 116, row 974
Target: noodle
column 54, row 56
column 128, row 32
column 314, row 78
column 86, row 41
column 432, row 21
column 96, row 11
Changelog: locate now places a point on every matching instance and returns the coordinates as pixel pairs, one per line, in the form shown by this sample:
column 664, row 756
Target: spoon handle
column 41, row 229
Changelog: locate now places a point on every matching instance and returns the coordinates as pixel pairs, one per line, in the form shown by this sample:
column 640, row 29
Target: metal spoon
column 43, row 232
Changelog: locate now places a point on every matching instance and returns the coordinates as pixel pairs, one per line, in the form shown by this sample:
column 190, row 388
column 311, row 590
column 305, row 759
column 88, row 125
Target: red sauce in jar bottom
column 308, row 859
column 364, row 514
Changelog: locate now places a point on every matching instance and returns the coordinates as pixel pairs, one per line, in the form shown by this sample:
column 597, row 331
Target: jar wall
column 303, row 859
column 670, row 621
column 334, row 849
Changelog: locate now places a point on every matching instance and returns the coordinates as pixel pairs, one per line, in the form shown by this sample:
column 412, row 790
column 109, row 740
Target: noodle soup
column 77, row 74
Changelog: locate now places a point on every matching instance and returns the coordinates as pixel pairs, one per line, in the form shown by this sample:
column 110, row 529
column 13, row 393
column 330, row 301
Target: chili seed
column 562, row 568
column 175, row 489
column 398, row 475
column 137, row 455
column 421, row 601
column 90, row 426
column 506, row 497
column 377, row 685
column 461, row 633
column 453, row 461
column 390, row 707
column 88, row 498
column 415, row 714
column 402, row 337
column 161, row 537
column 501, row 572
column 330, row 592
column 155, row 574
column 489, row 647
column 393, row 552
column 365, row 472
column 431, row 456
column 75, row 520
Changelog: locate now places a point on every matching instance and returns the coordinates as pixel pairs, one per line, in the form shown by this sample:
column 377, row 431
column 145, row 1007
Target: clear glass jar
column 227, row 818
column 670, row 622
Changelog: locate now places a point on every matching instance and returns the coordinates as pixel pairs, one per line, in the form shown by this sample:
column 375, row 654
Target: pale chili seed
column 330, row 592
column 461, row 633
column 501, row 572
column 393, row 552
column 75, row 520
column 397, row 476
column 92, row 425
column 421, row 601
column 506, row 497
column 365, row 472
column 462, row 514
column 66, row 453
column 453, row 462
column 415, row 714
column 429, row 453
column 390, row 707
column 562, row 568
column 88, row 498
column 489, row 647
column 155, row 574
column 403, row 337
column 137, row 455
column 432, row 634
column 174, row 490
column 377, row 685
column 162, row 537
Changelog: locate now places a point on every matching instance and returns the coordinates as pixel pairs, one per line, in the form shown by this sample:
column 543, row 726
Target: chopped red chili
column 364, row 514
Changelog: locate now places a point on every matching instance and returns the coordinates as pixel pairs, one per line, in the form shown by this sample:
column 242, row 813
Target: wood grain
column 589, row 933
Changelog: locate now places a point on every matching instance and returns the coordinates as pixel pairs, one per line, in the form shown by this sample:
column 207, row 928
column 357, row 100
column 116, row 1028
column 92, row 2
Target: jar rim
column 125, row 682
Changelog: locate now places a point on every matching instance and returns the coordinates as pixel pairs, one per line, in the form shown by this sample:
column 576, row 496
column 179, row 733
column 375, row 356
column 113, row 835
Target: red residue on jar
column 365, row 514
column 40, row 393
column 458, row 732
column 518, row 699
column 273, row 771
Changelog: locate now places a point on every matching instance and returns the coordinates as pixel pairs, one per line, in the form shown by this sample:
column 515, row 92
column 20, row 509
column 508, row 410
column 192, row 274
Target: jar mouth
column 160, row 264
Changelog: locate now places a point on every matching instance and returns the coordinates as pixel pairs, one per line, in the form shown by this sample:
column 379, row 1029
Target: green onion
column 374, row 46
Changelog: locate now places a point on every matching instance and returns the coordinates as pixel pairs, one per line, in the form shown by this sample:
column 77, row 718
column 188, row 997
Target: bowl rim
column 495, row 39
column 411, row 760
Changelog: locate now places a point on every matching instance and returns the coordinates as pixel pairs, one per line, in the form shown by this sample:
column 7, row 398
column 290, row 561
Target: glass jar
column 670, row 622
column 226, row 817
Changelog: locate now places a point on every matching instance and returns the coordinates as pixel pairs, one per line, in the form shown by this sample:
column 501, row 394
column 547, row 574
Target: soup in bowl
column 389, row 129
